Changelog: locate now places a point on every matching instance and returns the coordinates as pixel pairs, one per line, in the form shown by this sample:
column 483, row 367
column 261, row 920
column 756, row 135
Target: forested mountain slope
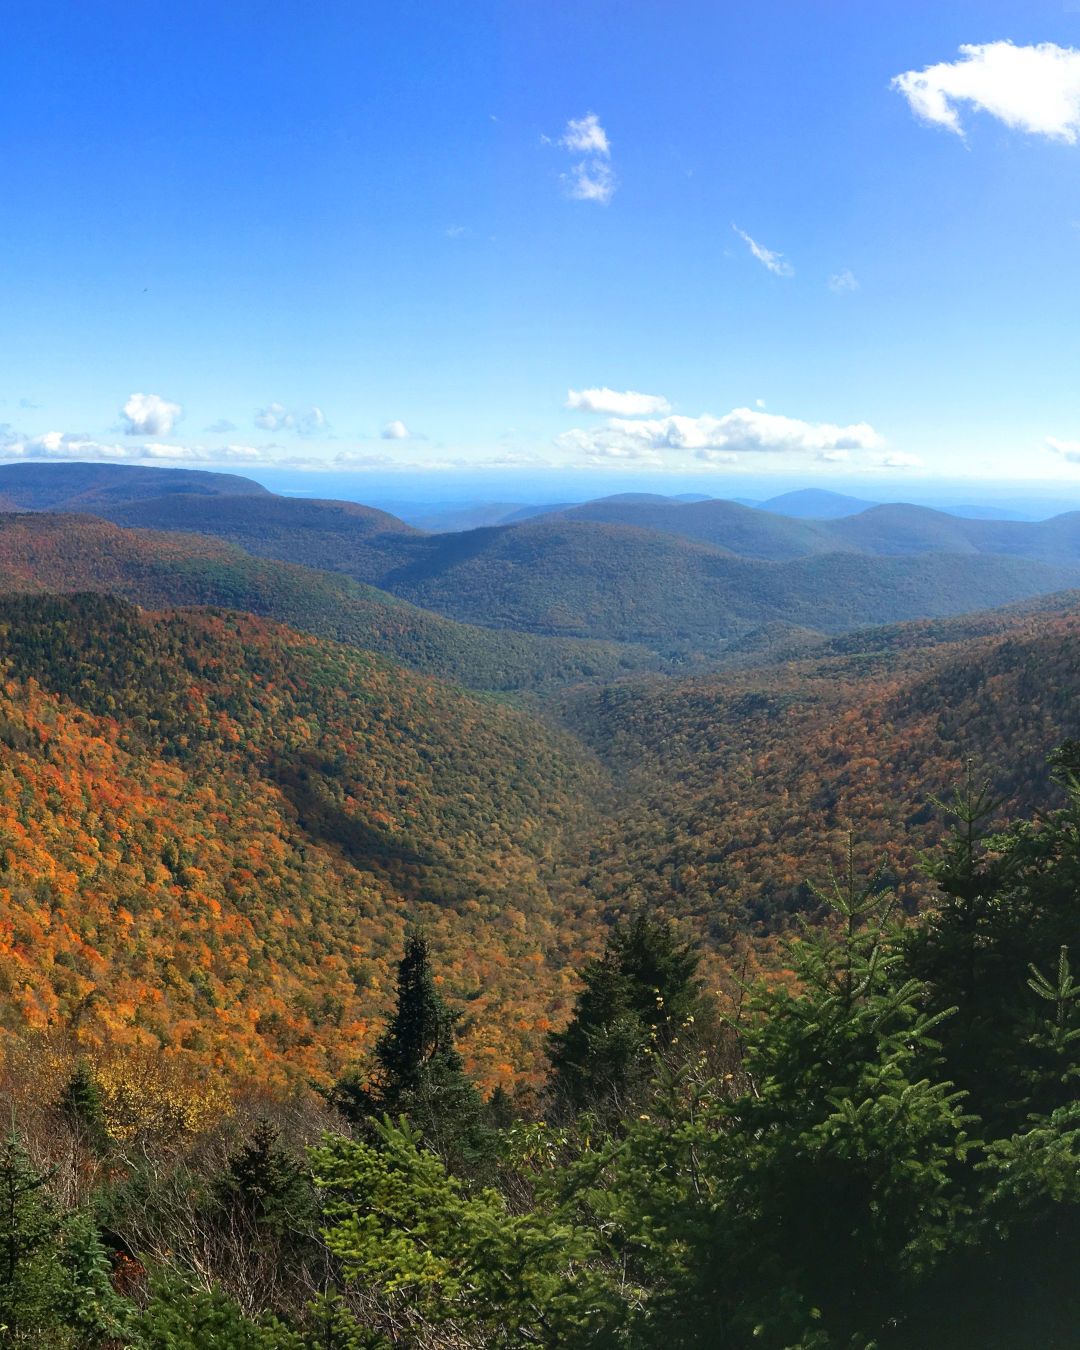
column 576, row 578
column 736, row 789
column 567, row 577
column 886, row 530
column 213, row 830
column 52, row 552
column 91, row 487
column 336, row 536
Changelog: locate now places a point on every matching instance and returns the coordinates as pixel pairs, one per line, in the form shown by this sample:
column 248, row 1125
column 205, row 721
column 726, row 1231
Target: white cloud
column 628, row 404
column 742, row 431
column 276, row 417
column 834, row 456
column 898, row 459
column 1068, row 450
column 1034, row 89
column 843, row 281
column 221, row 427
column 69, row 446
column 585, row 136
column 775, row 262
column 395, row 431
column 592, row 179
column 454, row 231
column 149, row 415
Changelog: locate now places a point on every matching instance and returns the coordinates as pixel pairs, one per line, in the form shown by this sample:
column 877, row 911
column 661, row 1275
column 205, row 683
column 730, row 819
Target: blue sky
column 406, row 236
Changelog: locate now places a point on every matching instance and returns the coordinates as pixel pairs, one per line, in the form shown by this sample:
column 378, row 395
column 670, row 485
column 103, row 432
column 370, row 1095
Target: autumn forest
column 394, row 954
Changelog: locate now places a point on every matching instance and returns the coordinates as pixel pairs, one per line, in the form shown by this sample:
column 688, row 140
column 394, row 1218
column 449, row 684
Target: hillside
column 737, row 789
column 91, row 487
column 727, row 525
column 891, row 530
column 574, row 578
column 52, row 552
column 334, row 536
column 213, row 830
column 814, row 504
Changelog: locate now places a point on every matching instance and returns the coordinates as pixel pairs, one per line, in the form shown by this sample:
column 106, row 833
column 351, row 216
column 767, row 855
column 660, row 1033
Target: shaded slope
column 334, row 536
column 576, row 578
column 50, row 552
column 87, row 487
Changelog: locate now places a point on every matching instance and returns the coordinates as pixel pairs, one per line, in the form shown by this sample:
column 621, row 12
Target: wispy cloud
column 1034, row 89
column 775, row 262
column 899, row 459
column 1068, row 450
column 585, row 136
column 592, row 178
column 276, row 417
column 68, row 446
column 221, row 427
column 717, row 439
column 843, row 281
column 628, row 404
column 149, row 415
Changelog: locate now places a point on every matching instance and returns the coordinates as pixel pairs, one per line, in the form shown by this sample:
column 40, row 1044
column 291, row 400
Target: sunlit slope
column 213, row 830
column 57, row 553
column 736, row 789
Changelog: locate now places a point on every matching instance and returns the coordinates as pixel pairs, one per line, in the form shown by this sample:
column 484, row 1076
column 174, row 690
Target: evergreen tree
column 54, row 1273
column 419, row 1072
column 1009, row 903
column 266, row 1188
column 831, row 1184
column 640, row 996
column 81, row 1109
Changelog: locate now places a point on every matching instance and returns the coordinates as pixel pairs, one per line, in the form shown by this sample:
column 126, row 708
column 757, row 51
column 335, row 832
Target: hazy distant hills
column 814, row 504
column 686, row 579
column 157, row 570
column 336, row 536
column 88, row 487
column 570, row 577
column 889, row 530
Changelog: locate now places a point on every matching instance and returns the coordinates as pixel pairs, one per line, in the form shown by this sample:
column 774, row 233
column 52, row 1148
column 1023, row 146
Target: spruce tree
column 81, row 1108
column 638, row 997
column 419, row 1072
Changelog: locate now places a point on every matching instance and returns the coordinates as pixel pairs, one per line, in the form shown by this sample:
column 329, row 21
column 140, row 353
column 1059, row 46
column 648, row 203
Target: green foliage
column 266, row 1186
column 443, row 1259
column 1008, row 911
column 419, row 1071
column 54, row 1273
column 81, row 1109
column 638, row 998
column 180, row 1318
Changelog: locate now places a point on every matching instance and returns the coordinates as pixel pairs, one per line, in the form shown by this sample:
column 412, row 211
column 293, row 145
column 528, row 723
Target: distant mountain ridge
column 45, row 552
column 86, row 487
